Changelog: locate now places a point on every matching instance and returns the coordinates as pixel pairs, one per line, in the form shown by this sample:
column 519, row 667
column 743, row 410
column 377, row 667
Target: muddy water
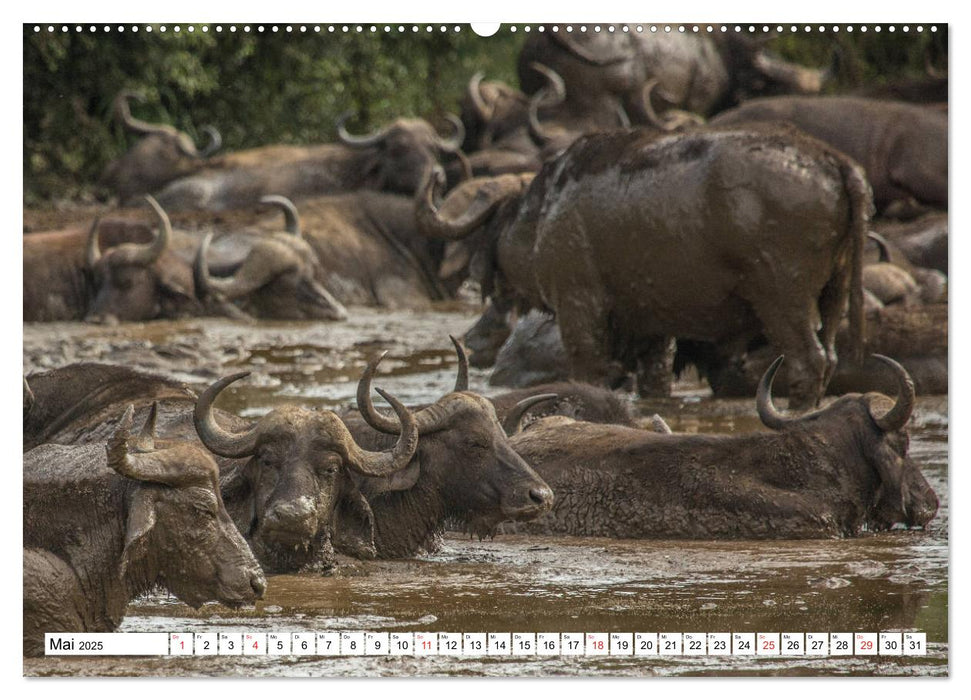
column 515, row 583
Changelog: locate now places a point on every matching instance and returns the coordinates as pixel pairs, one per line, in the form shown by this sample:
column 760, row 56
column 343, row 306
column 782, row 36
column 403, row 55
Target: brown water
column 890, row 581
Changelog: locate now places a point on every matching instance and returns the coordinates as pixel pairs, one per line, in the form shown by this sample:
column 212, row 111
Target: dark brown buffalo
column 923, row 241
column 892, row 279
column 142, row 275
column 104, row 523
column 68, row 277
column 371, row 252
column 833, row 473
column 699, row 72
column 902, row 146
column 772, row 222
column 464, row 472
column 915, row 335
column 495, row 116
column 585, row 402
column 394, row 159
column 163, row 153
column 79, row 404
column 278, row 277
column 293, row 497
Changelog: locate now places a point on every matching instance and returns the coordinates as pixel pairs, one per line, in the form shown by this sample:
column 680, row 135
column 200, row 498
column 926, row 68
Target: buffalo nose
column 258, row 584
column 542, row 496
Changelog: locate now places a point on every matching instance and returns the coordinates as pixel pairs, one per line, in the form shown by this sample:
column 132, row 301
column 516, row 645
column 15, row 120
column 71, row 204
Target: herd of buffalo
column 646, row 203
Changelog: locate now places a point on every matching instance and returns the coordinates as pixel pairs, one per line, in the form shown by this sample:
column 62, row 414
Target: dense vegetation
column 262, row 88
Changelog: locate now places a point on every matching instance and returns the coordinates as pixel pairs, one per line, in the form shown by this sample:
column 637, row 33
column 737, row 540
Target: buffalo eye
column 268, row 457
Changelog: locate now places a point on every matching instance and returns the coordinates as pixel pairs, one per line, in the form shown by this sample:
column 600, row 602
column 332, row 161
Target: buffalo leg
column 831, row 304
column 655, row 367
column 584, row 329
column 791, row 330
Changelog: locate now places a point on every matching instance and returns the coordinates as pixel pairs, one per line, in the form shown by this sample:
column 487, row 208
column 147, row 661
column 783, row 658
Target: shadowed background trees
column 262, row 88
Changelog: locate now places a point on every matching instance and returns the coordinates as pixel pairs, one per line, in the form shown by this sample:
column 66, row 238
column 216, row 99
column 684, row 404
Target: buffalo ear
column 890, row 467
column 141, row 520
column 353, row 523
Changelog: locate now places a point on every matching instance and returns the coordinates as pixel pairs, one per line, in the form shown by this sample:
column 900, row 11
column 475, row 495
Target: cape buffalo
column 463, row 473
column 104, row 523
column 699, row 72
column 902, row 146
column 79, row 403
column 771, row 221
column 833, row 473
column 278, row 278
column 293, row 497
column 69, row 276
column 371, row 252
column 394, row 159
column 161, row 155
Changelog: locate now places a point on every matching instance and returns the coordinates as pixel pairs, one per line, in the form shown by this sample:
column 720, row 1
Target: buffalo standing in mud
column 832, row 473
column 772, row 222
column 104, row 523
column 901, row 146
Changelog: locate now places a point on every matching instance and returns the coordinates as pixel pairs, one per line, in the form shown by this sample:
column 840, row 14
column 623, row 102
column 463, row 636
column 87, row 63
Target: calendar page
column 526, row 350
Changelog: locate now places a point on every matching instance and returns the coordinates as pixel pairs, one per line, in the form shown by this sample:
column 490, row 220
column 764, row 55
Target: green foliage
column 263, row 88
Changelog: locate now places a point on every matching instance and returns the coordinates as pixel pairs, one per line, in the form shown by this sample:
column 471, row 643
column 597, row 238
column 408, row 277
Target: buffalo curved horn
column 290, row 214
column 122, row 112
column 371, row 415
column 564, row 40
column 429, row 419
column 882, row 245
column 133, row 254
column 659, row 425
column 483, row 110
column 462, row 376
column 216, row 438
column 353, row 141
column 673, row 119
column 513, row 421
column 145, row 441
column 203, row 283
column 385, row 463
column 215, row 141
column 147, row 466
column 432, row 224
column 454, row 143
column 92, row 251
column 807, row 81
column 551, row 95
column 897, row 417
column 768, row 413
column 29, row 398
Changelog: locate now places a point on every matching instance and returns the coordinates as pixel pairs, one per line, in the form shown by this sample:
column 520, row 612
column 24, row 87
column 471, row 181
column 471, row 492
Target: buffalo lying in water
column 79, row 403
column 293, row 497
column 162, row 154
column 773, row 222
column 104, row 523
column 277, row 279
column 393, row 159
column 832, row 473
column 70, row 276
column 464, row 471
